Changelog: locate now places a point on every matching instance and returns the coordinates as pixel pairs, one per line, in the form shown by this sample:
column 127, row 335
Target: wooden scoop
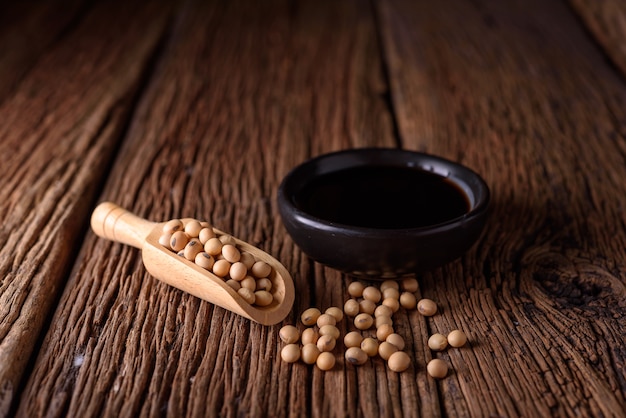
column 117, row 224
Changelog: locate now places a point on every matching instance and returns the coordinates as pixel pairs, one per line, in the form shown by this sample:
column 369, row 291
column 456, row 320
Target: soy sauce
column 383, row 197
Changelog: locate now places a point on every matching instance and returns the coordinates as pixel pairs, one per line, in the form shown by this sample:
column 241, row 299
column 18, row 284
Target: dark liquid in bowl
column 383, row 197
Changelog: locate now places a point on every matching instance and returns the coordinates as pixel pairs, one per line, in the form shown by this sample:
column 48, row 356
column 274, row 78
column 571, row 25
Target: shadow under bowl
column 381, row 213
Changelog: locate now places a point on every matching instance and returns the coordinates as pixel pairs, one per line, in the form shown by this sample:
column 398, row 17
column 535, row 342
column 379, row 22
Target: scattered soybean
column 363, row 321
column 353, row 339
column 289, row 334
column 408, row 300
column 290, row 353
column 310, row 353
column 325, row 361
column 309, row 316
column 351, row 307
column 370, row 346
column 336, row 312
column 457, row 338
column 399, row 361
column 356, row 356
column 427, row 307
column 437, row 368
column 395, row 339
column 326, row 343
column 309, row 336
column 355, row 289
column 437, row 342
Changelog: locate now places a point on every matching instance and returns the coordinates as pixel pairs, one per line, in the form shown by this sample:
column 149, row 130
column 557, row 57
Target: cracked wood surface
column 199, row 109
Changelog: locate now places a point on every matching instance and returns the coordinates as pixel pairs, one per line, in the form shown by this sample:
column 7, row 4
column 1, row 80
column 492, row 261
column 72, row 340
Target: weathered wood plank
column 27, row 28
column 58, row 134
column 243, row 93
column 518, row 91
column 606, row 20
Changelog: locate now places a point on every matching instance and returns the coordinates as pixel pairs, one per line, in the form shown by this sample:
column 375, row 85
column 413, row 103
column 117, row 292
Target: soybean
column 247, row 295
column 408, row 300
column 437, row 342
column 410, row 285
column 437, row 368
column 367, row 306
column 192, row 249
column 355, row 289
column 221, row 268
column 356, row 356
column 263, row 298
column 392, row 304
column 234, row 284
column 165, row 239
column 457, row 338
column 372, row 293
column 325, row 361
column 328, row 329
column 261, row 269
column 391, row 293
column 249, row 283
column 178, row 241
column 247, row 259
column 427, row 307
column 383, row 332
column 385, row 350
column 331, row 330
column 326, row 319
column 382, row 320
column 399, row 361
column 227, row 239
column 363, row 321
column 238, row 271
column 396, row 339
column 213, row 246
column 193, row 228
column 369, row 346
column 290, row 353
column 264, row 284
column 204, row 260
column 309, row 316
column 351, row 307
column 353, row 339
column 310, row 353
column 231, row 253
column 172, row 226
column 383, row 310
column 289, row 334
column 309, row 336
column 336, row 312
column 205, row 235
column 389, row 283
column 326, row 343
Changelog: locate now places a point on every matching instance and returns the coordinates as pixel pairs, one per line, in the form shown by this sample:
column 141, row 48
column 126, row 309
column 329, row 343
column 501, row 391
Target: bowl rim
column 479, row 207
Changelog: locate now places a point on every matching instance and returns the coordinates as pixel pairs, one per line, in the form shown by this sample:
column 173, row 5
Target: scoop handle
column 113, row 222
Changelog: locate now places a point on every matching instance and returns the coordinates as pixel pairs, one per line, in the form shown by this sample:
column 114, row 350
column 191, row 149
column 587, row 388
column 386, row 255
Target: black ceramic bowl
column 383, row 212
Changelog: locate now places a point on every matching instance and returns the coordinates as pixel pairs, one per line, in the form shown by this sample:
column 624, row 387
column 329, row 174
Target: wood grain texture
column 59, row 131
column 241, row 94
column 520, row 93
column 27, row 29
column 606, row 21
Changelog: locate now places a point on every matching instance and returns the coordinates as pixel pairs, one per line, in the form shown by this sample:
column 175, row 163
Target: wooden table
column 199, row 109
